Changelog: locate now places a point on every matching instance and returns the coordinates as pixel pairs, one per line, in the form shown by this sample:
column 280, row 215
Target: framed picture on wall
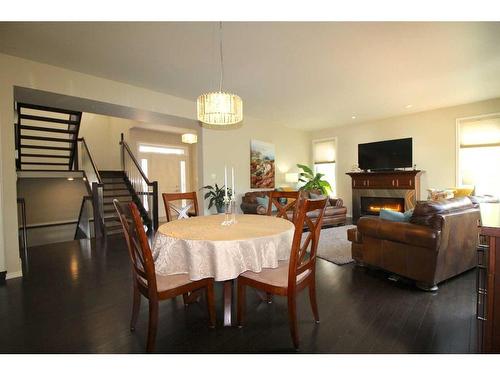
column 262, row 168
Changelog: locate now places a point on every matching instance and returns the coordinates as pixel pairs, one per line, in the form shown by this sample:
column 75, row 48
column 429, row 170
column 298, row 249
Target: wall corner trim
column 14, row 275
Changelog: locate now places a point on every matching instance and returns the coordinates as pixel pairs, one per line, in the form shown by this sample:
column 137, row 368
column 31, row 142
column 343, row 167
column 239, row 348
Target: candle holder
column 233, row 209
column 227, row 212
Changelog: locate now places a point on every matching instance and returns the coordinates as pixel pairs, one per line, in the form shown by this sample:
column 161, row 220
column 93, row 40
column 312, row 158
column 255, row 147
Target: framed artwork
column 262, row 169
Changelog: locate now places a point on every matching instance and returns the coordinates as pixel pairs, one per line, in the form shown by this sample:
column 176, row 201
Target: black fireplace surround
column 373, row 205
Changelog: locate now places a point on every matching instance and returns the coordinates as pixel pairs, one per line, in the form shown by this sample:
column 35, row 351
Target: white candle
column 232, row 183
column 225, row 181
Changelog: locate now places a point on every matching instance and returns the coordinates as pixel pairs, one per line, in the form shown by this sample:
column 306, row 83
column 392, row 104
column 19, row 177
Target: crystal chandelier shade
column 220, row 108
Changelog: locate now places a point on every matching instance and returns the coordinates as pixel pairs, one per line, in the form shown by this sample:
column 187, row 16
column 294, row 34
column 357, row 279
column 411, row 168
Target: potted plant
column 216, row 197
column 313, row 181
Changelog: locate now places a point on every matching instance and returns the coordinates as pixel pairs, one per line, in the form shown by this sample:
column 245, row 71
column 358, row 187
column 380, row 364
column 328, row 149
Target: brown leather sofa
column 438, row 243
column 335, row 212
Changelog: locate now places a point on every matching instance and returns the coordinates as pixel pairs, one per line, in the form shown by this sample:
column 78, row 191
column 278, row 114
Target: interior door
column 166, row 169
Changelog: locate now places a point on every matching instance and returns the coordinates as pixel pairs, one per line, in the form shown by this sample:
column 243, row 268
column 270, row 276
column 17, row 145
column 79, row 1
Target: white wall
column 49, row 201
column 434, row 143
column 232, row 148
column 102, row 135
column 217, row 147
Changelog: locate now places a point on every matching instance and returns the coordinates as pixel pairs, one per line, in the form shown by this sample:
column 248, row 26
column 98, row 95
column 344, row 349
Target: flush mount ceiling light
column 220, row 109
column 189, row 138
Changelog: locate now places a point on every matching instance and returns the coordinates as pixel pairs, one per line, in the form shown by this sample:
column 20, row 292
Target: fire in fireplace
column 373, row 205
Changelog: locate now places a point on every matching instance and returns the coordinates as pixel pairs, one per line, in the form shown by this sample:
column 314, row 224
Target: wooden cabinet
column 488, row 279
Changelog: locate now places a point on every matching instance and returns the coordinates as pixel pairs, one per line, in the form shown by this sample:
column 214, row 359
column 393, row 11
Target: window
column 324, row 153
column 479, row 153
column 161, row 150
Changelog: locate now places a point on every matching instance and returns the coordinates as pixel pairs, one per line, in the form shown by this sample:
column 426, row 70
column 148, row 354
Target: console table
column 488, row 279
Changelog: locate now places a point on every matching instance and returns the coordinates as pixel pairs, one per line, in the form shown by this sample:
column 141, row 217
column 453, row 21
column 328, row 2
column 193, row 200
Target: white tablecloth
column 202, row 247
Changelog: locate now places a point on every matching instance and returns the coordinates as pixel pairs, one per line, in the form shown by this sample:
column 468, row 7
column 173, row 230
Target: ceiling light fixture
column 408, row 106
column 220, row 108
column 353, row 117
column 189, row 138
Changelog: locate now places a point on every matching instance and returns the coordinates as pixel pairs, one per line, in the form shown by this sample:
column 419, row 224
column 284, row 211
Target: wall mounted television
column 386, row 155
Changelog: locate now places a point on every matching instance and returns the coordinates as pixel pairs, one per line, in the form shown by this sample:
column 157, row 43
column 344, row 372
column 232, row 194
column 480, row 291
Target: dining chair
column 183, row 212
column 146, row 281
column 292, row 199
column 294, row 275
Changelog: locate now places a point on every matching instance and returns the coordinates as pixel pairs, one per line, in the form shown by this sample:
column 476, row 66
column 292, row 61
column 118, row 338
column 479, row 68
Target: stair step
column 117, row 186
column 43, row 129
column 46, row 156
column 47, row 147
column 48, row 139
column 116, row 193
column 42, row 163
column 48, row 109
column 49, row 119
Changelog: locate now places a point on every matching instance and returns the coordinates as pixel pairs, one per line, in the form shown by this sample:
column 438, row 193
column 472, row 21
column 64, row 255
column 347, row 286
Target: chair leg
column 153, row 325
column 269, row 298
column 241, row 303
column 292, row 317
column 135, row 308
column 185, row 298
column 312, row 299
column 211, row 303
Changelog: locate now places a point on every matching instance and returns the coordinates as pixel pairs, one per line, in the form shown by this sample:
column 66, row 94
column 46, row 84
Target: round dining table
column 202, row 247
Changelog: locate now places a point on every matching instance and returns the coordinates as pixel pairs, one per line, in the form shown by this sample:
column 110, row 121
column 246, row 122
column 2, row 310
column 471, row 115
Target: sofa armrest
column 253, row 208
column 403, row 232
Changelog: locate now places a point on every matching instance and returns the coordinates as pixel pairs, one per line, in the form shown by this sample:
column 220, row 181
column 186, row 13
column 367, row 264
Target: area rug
column 334, row 246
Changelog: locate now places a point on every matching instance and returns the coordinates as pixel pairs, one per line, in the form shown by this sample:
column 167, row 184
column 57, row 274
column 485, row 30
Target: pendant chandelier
column 220, row 108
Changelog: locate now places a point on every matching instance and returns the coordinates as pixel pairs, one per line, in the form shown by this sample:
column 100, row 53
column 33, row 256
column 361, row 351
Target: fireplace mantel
column 395, row 184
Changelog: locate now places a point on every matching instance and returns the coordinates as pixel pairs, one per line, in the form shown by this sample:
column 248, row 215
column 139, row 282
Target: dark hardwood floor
column 77, row 299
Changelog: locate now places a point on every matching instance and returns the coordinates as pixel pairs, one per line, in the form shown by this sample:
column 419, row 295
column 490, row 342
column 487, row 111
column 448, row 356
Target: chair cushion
column 169, row 282
column 274, row 276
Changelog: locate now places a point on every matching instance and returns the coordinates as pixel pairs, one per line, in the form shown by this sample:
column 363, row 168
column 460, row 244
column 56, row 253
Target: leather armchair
column 438, row 243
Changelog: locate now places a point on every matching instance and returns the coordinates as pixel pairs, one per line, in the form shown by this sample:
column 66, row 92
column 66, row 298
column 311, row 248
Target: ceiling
column 302, row 75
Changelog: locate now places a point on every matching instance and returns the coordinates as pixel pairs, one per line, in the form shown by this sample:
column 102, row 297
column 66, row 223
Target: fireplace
column 372, row 191
column 373, row 205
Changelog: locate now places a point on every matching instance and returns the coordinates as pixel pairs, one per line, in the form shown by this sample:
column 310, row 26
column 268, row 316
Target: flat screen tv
column 386, row 155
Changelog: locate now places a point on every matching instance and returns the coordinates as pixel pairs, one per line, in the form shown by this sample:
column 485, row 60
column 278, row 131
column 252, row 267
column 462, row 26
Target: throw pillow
column 316, row 196
column 436, row 195
column 264, row 201
column 395, row 215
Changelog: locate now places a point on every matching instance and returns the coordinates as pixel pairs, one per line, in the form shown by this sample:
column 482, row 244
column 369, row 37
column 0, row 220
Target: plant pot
column 220, row 209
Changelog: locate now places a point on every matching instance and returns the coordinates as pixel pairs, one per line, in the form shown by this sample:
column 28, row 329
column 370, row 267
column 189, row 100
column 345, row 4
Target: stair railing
column 84, row 162
column 146, row 191
column 23, row 233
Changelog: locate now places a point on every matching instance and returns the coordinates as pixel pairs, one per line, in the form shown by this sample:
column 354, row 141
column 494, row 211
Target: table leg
column 228, row 297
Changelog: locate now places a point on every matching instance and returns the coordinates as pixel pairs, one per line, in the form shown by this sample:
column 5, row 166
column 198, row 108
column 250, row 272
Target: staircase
column 117, row 186
column 46, row 137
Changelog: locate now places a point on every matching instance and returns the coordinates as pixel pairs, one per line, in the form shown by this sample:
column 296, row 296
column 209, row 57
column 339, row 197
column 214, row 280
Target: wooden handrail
column 91, row 159
column 125, row 146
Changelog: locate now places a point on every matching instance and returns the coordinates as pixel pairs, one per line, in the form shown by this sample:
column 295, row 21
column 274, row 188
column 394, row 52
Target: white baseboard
column 13, row 275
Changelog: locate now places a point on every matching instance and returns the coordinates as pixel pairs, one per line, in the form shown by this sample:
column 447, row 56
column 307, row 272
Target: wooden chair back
column 182, row 212
column 143, row 266
column 303, row 254
column 292, row 204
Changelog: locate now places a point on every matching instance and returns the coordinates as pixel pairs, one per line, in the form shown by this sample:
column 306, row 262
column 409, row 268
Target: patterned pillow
column 437, row 195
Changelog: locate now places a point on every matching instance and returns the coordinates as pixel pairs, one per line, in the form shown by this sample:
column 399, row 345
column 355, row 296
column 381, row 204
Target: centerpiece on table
column 223, row 198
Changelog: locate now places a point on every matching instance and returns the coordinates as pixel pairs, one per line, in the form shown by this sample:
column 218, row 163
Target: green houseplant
column 313, row 181
column 215, row 195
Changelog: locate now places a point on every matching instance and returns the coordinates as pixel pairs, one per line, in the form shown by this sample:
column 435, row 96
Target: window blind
column 324, row 151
